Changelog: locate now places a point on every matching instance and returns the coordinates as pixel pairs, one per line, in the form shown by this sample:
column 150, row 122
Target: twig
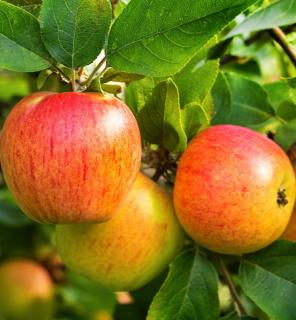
column 158, row 173
column 228, row 281
column 91, row 76
column 279, row 36
column 61, row 72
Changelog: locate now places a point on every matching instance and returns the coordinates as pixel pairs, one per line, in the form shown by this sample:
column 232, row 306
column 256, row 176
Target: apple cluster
column 73, row 159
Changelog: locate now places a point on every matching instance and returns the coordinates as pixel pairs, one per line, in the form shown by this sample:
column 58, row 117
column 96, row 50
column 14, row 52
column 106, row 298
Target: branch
column 228, row 281
column 279, row 36
column 158, row 173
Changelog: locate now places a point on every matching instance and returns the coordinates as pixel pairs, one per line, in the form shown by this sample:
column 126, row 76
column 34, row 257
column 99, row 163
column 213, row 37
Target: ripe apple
column 234, row 190
column 70, row 157
column 132, row 248
column 26, row 291
column 290, row 232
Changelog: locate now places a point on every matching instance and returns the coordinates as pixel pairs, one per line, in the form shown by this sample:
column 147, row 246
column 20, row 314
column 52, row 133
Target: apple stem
column 231, row 286
column 74, row 88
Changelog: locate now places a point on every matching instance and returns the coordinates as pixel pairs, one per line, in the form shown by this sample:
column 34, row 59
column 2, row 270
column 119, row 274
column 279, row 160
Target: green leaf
column 32, row 6
column 10, row 214
column 79, row 293
column 196, row 80
column 249, row 68
column 291, row 39
column 189, row 292
column 160, row 120
column 34, row 9
column 287, row 111
column 286, row 135
column 137, row 94
column 278, row 92
column 20, row 42
column 234, row 316
column 250, row 105
column 292, row 82
column 74, row 31
column 268, row 277
column 219, row 50
column 13, row 85
column 24, row 2
column 208, row 105
column 279, row 13
column 112, row 88
column 292, row 92
column 42, row 78
column 161, row 37
column 222, row 100
column 114, row 75
column 194, row 118
column 119, row 7
column 230, row 316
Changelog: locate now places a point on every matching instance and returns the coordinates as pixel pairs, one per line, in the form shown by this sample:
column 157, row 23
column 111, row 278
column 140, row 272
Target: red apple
column 133, row 247
column 26, row 291
column 234, row 190
column 290, row 232
column 70, row 157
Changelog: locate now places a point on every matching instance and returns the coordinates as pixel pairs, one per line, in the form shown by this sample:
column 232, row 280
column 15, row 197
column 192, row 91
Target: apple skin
column 132, row 248
column 26, row 291
column 290, row 232
column 227, row 188
column 70, row 157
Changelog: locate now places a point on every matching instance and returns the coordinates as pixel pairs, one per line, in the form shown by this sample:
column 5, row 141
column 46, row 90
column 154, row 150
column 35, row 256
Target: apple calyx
column 282, row 197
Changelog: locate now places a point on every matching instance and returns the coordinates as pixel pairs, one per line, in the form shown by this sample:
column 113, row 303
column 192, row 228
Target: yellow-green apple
column 26, row 291
column 70, row 157
column 234, row 190
column 132, row 248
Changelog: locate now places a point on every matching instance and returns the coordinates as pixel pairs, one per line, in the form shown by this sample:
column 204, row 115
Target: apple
column 290, row 232
column 70, row 157
column 234, row 190
column 132, row 248
column 26, row 291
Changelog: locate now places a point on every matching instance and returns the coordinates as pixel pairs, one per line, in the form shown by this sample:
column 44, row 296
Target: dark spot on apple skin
column 282, row 198
column 244, row 189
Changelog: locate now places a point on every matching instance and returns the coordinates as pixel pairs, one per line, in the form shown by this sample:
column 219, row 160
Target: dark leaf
column 160, row 38
column 189, row 292
column 20, row 42
column 268, row 277
column 74, row 31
